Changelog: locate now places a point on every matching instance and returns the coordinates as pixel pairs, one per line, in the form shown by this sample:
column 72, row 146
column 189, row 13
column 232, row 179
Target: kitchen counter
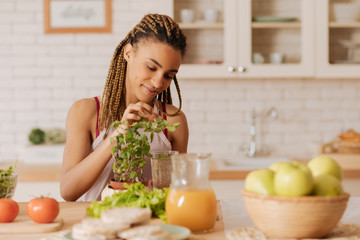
column 36, row 172
column 52, row 172
column 216, row 174
column 74, row 212
column 241, row 174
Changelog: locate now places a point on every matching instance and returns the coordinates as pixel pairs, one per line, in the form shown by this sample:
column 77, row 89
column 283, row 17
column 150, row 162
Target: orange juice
column 193, row 208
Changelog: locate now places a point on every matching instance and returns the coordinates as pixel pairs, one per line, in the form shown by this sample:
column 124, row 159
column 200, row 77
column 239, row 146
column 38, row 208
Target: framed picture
column 77, row 16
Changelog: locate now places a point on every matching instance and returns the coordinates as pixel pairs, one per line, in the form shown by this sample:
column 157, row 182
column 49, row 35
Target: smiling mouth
column 150, row 92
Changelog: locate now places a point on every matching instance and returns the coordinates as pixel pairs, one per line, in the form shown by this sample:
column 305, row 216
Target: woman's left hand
column 134, row 112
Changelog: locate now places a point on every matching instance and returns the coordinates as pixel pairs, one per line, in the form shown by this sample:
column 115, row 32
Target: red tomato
column 9, row 209
column 42, row 209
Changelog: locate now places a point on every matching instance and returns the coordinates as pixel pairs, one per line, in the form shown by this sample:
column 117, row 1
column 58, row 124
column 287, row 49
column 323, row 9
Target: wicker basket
column 295, row 217
column 348, row 147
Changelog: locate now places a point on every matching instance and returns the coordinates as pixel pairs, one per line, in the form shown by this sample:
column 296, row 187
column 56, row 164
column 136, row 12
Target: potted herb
column 133, row 147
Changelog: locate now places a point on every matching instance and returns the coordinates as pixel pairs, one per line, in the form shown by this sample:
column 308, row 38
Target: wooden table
column 74, row 212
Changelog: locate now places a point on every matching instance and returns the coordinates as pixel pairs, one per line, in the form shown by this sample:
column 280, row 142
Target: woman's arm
column 81, row 167
column 180, row 137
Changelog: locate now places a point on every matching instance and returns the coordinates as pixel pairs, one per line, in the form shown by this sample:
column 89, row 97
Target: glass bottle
column 191, row 202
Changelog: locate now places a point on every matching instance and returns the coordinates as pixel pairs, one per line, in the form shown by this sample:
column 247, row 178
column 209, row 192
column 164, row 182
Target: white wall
column 25, row 191
column 42, row 74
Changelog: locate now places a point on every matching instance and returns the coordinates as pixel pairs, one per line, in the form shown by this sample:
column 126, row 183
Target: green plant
column 55, row 136
column 133, row 146
column 37, row 136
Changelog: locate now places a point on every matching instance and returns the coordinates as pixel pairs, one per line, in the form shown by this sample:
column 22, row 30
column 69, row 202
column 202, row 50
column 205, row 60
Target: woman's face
column 151, row 67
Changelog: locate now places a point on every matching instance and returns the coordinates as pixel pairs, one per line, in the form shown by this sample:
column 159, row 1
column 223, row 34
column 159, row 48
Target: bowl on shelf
column 8, row 185
column 295, row 217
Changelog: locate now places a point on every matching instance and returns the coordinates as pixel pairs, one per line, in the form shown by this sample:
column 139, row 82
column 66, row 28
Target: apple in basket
column 300, row 201
column 260, row 181
column 327, row 185
column 322, row 164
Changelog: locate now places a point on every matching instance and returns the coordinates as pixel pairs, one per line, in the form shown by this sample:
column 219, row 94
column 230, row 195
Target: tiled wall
column 41, row 75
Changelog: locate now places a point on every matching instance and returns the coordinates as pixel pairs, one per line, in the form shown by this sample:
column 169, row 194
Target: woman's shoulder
column 85, row 104
column 180, row 116
column 172, row 109
column 83, row 108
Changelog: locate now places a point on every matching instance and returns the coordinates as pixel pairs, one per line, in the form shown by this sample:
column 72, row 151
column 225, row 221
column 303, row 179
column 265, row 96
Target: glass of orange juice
column 191, row 202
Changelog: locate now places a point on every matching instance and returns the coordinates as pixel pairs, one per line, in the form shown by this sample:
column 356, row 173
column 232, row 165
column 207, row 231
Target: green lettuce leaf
column 137, row 195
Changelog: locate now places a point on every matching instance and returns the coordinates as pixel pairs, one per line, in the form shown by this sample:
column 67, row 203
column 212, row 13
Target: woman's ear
column 128, row 51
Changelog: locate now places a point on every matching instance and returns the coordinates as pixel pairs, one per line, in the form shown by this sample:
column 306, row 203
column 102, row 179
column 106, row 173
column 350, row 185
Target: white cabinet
column 244, row 28
column 337, row 41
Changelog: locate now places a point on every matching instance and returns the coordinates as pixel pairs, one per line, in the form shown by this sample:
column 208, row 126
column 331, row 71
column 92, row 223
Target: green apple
column 277, row 165
column 322, row 164
column 293, row 179
column 260, row 181
column 327, row 185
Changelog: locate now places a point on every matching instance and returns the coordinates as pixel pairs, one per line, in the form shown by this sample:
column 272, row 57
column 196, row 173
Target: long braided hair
column 157, row 27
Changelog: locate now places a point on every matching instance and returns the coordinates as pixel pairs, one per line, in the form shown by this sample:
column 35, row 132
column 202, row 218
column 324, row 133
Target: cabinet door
column 245, row 29
column 276, row 38
column 338, row 39
column 208, row 54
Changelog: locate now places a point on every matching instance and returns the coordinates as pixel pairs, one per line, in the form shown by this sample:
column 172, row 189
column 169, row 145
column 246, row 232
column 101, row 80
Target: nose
column 157, row 81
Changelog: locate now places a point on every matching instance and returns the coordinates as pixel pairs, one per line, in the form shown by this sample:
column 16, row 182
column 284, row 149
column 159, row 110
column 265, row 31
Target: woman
column 138, row 85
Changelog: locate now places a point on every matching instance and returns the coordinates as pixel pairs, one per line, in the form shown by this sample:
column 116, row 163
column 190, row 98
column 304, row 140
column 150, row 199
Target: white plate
column 176, row 232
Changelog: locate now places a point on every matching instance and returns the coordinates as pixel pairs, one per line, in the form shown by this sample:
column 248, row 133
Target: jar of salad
column 8, row 181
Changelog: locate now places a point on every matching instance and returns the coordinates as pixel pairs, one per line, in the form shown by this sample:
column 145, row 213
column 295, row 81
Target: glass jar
column 8, row 185
column 191, row 202
column 161, row 168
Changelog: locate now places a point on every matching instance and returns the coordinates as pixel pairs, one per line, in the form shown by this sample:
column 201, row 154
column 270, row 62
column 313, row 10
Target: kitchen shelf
column 201, row 25
column 331, row 54
column 296, row 24
column 344, row 25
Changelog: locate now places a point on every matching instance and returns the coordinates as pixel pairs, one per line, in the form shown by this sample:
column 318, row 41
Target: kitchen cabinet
column 229, row 47
column 337, row 41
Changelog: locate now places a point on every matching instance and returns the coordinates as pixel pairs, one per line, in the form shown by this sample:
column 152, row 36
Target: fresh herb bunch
column 55, row 136
column 133, row 146
column 36, row 136
column 7, row 181
column 137, row 195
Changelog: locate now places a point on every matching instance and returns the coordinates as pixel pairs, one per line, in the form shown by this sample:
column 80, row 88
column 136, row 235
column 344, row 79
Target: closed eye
column 151, row 68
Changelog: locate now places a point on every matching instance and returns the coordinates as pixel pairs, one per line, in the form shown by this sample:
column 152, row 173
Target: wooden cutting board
column 23, row 224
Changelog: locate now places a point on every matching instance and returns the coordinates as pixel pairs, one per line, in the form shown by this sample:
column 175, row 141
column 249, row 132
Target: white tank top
column 159, row 143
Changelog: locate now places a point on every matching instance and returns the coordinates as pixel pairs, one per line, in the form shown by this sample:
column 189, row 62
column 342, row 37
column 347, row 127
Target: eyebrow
column 160, row 66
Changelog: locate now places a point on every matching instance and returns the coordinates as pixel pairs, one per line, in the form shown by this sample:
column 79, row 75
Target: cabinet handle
column 231, row 69
column 242, row 69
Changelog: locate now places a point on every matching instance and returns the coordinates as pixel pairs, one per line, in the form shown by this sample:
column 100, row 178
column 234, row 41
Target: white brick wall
column 41, row 75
